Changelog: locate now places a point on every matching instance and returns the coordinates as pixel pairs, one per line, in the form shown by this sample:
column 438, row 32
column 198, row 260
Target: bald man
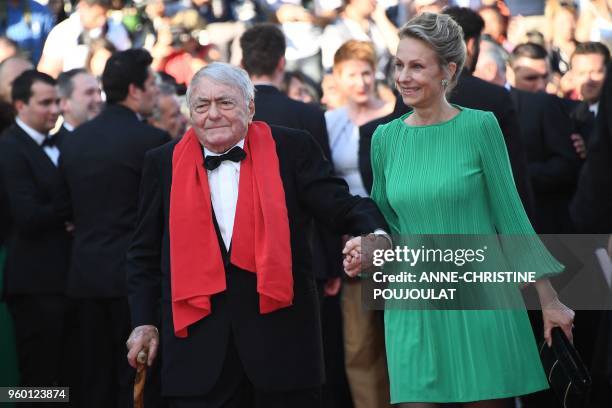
column 10, row 69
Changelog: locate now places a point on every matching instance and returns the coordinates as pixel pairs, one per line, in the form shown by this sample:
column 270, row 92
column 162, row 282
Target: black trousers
column 46, row 347
column 234, row 390
column 107, row 378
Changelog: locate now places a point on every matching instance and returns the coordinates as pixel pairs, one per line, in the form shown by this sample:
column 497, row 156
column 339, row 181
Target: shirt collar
column 209, row 153
column 38, row 137
column 68, row 126
column 594, row 107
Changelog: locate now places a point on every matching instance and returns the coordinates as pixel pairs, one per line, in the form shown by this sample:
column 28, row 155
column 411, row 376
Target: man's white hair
column 225, row 74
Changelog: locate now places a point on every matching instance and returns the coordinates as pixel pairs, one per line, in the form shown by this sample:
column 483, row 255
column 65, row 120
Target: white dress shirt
column 51, row 151
column 223, row 184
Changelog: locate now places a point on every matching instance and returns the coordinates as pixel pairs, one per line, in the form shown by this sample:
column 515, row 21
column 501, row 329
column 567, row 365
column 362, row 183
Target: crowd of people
column 194, row 179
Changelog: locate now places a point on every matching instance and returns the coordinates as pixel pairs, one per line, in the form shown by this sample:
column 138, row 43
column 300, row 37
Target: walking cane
column 139, row 381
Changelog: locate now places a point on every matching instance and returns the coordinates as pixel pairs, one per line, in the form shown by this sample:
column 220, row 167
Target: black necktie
column 235, row 154
column 49, row 141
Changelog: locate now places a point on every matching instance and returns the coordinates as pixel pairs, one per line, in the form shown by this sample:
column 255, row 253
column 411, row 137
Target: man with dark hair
column 585, row 78
column 546, row 128
column 38, row 242
column 529, row 67
column 101, row 164
column 80, row 98
column 263, row 57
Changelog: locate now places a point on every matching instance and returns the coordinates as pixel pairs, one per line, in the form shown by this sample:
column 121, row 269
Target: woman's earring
column 444, row 83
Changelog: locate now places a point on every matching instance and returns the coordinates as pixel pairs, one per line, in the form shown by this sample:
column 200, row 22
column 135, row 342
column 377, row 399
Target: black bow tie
column 235, row 154
column 49, row 141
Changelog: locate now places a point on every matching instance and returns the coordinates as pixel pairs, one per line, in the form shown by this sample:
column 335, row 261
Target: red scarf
column 260, row 239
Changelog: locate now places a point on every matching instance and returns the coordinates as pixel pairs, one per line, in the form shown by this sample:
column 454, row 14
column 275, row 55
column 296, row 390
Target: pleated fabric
column 454, row 177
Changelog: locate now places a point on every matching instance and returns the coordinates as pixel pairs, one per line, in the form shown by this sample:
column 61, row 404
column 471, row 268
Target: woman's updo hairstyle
column 443, row 35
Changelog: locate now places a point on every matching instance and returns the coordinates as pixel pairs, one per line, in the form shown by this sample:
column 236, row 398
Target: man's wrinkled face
column 220, row 115
column 171, row 119
column 589, row 72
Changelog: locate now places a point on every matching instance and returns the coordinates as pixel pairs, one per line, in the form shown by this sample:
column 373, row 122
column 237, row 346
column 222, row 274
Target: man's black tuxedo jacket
column 280, row 350
column 583, row 120
column 552, row 161
column 101, row 165
column 37, row 242
column 591, row 208
column 275, row 108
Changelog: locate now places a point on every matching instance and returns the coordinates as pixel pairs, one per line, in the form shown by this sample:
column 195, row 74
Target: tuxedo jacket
column 280, row 350
column 591, row 207
column 552, row 161
column 583, row 120
column 101, row 166
column 275, row 108
column 38, row 246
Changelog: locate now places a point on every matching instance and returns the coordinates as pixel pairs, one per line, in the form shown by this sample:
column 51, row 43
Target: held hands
column 142, row 338
column 556, row 314
column 355, row 261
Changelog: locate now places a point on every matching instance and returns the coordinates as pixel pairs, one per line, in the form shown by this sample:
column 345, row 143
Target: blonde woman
column 444, row 169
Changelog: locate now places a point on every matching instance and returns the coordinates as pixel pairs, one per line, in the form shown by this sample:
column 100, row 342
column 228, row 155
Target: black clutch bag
column 567, row 375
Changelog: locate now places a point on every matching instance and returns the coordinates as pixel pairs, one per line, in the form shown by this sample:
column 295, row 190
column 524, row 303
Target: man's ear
column 19, row 105
column 282, row 63
column 251, row 110
column 63, row 104
column 134, row 92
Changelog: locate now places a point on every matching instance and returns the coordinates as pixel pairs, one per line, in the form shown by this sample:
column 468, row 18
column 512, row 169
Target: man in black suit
column 546, row 128
column 263, row 57
column 586, row 77
column 222, row 345
column 80, row 98
column 101, row 165
column 38, row 242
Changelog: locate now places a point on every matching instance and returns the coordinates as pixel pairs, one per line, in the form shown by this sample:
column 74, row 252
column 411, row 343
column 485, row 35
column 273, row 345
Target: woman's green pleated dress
column 455, row 178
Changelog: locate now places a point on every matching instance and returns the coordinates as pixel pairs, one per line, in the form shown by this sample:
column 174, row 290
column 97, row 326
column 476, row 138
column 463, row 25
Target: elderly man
column 80, row 98
column 167, row 113
column 222, row 242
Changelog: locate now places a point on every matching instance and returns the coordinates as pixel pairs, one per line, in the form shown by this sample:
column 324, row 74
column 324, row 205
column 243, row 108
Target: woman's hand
column 355, row 261
column 556, row 314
